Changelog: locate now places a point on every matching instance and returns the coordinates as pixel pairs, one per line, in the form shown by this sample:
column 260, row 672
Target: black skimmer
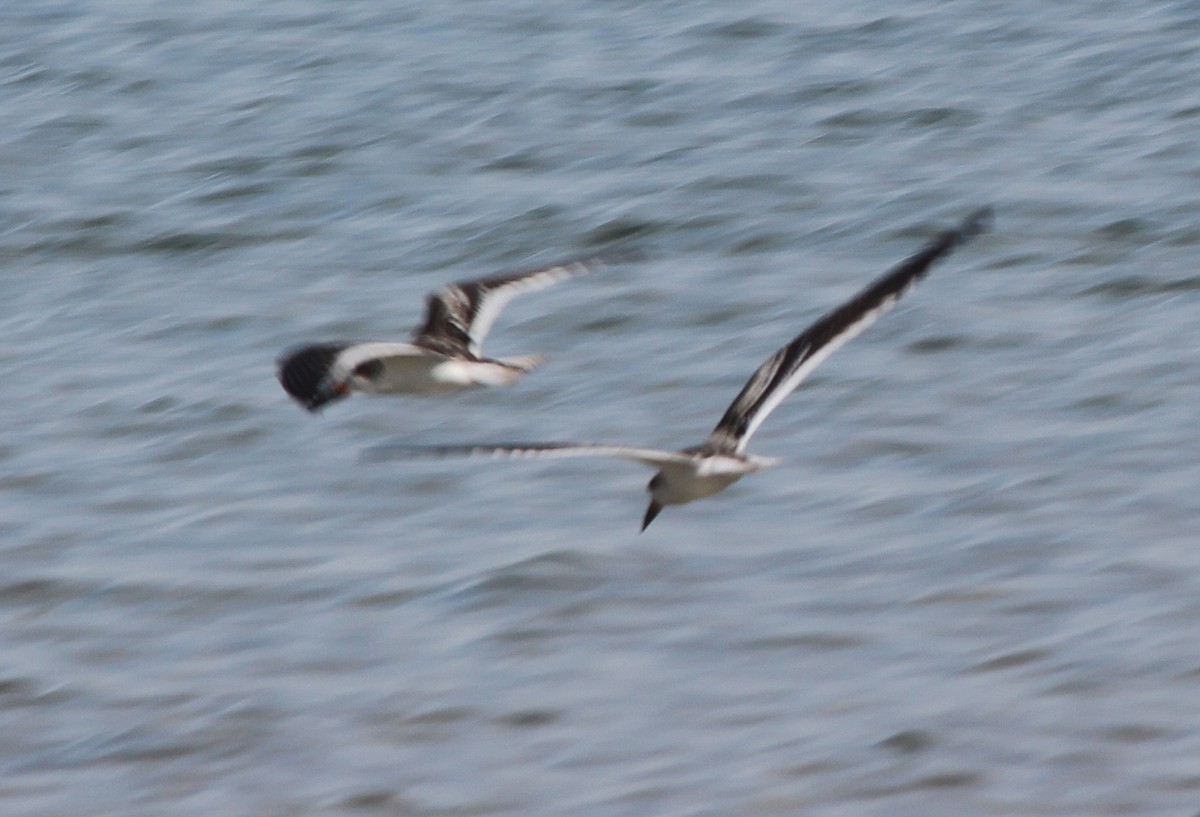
column 721, row 460
column 444, row 355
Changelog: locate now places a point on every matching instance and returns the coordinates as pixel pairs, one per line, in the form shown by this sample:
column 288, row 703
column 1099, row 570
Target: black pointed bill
column 651, row 512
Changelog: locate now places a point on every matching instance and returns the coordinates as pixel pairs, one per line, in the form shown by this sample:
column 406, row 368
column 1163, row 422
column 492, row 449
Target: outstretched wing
column 786, row 369
column 458, row 316
column 652, row 457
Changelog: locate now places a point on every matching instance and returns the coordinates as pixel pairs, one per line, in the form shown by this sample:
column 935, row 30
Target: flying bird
column 721, row 460
column 444, row 355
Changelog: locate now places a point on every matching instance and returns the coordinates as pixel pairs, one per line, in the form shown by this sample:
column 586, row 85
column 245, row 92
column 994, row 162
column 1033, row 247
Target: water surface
column 970, row 589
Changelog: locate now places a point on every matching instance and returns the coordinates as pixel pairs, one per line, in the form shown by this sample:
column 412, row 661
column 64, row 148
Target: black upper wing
column 458, row 316
column 776, row 378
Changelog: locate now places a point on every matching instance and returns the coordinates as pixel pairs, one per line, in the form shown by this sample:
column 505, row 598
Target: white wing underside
column 651, row 457
column 493, row 301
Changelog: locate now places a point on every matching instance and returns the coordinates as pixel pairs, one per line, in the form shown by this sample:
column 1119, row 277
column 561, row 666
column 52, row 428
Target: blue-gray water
column 971, row 589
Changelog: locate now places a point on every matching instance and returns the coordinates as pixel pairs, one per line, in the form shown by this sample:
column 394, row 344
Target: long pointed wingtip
column 979, row 221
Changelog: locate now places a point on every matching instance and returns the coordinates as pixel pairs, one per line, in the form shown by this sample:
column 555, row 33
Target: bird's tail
column 525, row 363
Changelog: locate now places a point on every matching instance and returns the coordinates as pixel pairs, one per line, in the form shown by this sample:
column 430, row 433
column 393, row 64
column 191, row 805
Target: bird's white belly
column 431, row 375
column 703, row 478
column 677, row 492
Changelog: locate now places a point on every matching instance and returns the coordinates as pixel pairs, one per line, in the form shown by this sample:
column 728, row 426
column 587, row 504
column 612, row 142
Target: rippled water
column 970, row 589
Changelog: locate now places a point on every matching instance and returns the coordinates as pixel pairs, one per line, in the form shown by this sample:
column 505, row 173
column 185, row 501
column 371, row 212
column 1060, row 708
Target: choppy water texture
column 970, row 590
